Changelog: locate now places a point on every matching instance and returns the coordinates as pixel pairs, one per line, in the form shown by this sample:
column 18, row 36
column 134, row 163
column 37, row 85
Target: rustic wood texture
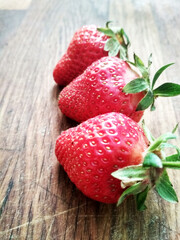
column 37, row 200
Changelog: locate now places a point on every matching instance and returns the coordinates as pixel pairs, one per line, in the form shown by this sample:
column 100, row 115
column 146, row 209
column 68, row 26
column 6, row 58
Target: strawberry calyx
column 137, row 180
column 145, row 84
column 117, row 43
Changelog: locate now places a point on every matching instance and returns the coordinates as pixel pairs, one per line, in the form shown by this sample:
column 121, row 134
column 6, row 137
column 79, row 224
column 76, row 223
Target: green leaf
column 124, row 36
column 173, row 158
column 168, row 145
column 133, row 173
column 107, row 24
column 163, row 138
column 159, row 72
column 150, row 60
column 123, row 52
column 175, row 128
column 107, row 32
column 136, row 85
column 127, row 41
column 152, row 160
column 172, row 161
column 146, row 101
column 118, row 41
column 112, row 45
column 153, row 107
column 164, row 188
column 141, row 198
column 124, row 43
column 147, row 132
column 167, row 90
column 133, row 190
column 139, row 63
column 131, row 63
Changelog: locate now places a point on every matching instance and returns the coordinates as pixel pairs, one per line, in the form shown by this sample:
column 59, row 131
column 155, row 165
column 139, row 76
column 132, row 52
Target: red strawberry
column 86, row 47
column 99, row 90
column 94, row 149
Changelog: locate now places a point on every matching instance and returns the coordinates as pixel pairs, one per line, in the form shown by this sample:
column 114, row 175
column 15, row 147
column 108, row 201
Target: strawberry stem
column 117, row 43
column 139, row 179
column 171, row 164
column 165, row 90
column 162, row 139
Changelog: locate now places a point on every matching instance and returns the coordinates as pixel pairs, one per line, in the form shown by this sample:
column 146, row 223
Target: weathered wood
column 37, row 200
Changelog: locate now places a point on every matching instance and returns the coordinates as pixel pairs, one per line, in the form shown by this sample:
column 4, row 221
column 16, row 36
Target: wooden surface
column 37, row 200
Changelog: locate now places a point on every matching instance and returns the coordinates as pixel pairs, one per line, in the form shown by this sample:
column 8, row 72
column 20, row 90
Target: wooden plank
column 37, row 200
column 14, row 4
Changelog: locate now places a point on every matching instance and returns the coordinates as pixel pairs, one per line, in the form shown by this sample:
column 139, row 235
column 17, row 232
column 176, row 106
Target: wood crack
column 10, row 186
column 45, row 218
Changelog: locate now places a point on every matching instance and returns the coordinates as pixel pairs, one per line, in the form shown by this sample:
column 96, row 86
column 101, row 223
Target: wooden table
column 37, row 200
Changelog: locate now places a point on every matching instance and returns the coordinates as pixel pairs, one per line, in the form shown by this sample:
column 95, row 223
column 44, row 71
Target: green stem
column 163, row 138
column 154, row 145
column 171, row 164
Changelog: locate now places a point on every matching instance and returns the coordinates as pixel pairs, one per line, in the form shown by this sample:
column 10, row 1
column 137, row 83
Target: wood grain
column 37, row 200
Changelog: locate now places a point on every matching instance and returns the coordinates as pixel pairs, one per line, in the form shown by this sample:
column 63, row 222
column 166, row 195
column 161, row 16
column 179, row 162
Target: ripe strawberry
column 110, row 85
column 88, row 45
column 108, row 158
column 94, row 149
column 99, row 90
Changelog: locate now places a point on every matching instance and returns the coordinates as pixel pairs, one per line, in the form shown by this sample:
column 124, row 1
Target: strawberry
column 88, row 45
column 99, row 90
column 110, row 85
column 94, row 149
column 108, row 158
